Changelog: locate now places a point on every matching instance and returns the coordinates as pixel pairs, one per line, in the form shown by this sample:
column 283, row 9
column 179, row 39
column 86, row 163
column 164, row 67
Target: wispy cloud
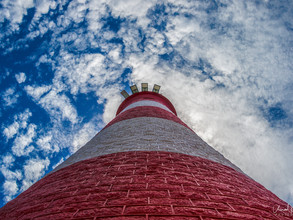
column 14, row 10
column 22, row 143
column 20, row 122
column 83, row 136
column 20, row 78
column 10, row 186
column 34, row 169
column 59, row 104
column 7, row 160
column 45, row 143
column 37, row 91
column 10, row 97
column 11, row 130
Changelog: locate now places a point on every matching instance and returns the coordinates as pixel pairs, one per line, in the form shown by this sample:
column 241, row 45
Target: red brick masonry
column 146, row 111
column 142, row 96
column 146, row 185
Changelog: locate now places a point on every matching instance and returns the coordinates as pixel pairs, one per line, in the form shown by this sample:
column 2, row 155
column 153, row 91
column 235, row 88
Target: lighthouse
column 146, row 164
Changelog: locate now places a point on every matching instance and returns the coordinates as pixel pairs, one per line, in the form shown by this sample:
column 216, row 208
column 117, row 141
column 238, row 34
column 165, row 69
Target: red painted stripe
column 152, row 96
column 146, row 111
column 133, row 185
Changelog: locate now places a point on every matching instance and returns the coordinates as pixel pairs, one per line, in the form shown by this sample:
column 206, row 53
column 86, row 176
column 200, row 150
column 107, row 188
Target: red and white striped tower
column 146, row 164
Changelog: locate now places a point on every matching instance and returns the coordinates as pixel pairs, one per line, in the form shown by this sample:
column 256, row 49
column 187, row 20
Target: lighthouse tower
column 146, row 164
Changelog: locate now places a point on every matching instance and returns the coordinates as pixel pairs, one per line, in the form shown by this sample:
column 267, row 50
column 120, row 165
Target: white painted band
column 146, row 134
column 147, row 103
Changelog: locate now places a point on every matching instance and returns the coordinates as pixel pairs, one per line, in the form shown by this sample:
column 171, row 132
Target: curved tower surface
column 146, row 164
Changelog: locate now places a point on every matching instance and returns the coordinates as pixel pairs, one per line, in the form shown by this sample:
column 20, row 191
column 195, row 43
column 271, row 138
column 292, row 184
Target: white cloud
column 95, row 11
column 134, row 9
column 23, row 118
column 20, row 121
column 34, row 169
column 10, row 97
column 83, row 73
column 37, row 91
column 11, row 175
column 84, row 135
column 14, row 10
column 10, row 189
column 11, row 130
column 113, row 98
column 43, row 6
column 115, row 55
column 76, row 11
column 92, row 72
column 8, row 160
column 22, row 143
column 46, row 144
column 20, row 78
column 59, row 104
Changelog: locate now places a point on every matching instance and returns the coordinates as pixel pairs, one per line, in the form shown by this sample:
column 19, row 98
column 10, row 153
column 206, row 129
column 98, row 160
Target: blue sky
column 226, row 65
